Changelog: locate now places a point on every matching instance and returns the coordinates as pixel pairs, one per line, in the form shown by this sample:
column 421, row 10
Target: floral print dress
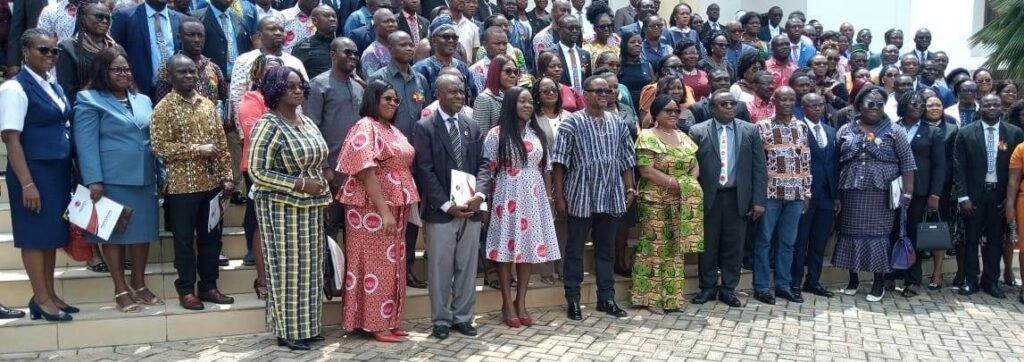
column 670, row 225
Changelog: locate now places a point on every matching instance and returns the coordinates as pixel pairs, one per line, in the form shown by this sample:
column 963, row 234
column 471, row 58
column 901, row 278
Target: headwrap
column 440, row 23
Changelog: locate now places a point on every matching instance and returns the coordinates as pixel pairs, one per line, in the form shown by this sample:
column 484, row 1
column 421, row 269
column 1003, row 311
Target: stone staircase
column 100, row 324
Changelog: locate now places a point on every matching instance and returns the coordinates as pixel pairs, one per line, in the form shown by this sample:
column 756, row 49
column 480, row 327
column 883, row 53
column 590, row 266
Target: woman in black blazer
column 927, row 143
column 77, row 52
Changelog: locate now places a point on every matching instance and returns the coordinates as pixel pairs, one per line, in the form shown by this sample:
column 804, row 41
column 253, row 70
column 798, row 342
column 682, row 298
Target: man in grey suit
column 448, row 140
column 734, row 179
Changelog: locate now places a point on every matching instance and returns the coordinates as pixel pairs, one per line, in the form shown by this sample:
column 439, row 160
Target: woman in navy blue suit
column 33, row 121
column 114, row 155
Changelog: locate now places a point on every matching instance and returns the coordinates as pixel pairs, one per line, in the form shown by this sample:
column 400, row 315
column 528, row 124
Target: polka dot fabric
column 521, row 228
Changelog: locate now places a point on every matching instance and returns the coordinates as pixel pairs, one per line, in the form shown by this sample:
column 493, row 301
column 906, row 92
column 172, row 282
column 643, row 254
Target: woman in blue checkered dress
column 873, row 152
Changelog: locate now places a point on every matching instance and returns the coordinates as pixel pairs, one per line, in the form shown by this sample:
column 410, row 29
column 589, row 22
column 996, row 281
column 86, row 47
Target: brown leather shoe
column 190, row 302
column 215, row 296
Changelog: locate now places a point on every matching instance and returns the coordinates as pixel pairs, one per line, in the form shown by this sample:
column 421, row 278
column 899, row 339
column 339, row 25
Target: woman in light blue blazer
column 111, row 134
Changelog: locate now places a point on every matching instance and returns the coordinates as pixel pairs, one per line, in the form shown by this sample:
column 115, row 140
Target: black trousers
column 987, row 221
column 249, row 221
column 811, row 239
column 602, row 229
column 195, row 248
column 724, row 234
column 912, row 276
column 412, row 232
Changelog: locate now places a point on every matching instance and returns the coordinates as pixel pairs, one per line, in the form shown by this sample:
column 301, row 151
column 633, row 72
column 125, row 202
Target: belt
column 726, row 189
column 989, row 186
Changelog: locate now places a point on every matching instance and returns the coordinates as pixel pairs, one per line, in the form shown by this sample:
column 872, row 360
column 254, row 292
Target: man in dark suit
column 712, row 25
column 734, row 180
column 448, row 140
column 25, row 16
column 981, row 163
column 575, row 60
column 928, row 146
column 226, row 34
column 410, row 20
column 923, row 40
column 342, row 9
column 146, row 32
column 773, row 26
column 484, row 9
column 718, row 80
column 816, row 223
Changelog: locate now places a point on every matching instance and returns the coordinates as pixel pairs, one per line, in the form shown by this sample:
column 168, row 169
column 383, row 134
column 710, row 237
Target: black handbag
column 330, row 291
column 933, row 236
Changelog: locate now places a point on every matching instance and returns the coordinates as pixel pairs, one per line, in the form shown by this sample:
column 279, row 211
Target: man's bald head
column 397, row 37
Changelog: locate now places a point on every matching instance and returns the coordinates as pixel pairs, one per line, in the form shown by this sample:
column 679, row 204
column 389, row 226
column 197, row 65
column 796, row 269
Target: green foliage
column 1004, row 36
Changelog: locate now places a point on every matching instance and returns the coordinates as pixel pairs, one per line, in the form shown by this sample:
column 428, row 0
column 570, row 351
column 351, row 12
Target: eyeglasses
column 600, row 92
column 47, row 51
column 348, row 52
column 654, row 26
column 549, row 91
column 449, row 37
column 603, row 27
column 833, row 59
column 511, row 72
column 726, row 104
column 295, row 87
column 916, row 105
column 890, row 75
column 672, row 111
column 968, row 91
column 873, row 105
column 120, row 70
column 101, row 17
column 393, row 100
column 676, row 67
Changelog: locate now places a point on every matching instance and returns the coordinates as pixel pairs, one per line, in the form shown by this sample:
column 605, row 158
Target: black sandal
column 98, row 268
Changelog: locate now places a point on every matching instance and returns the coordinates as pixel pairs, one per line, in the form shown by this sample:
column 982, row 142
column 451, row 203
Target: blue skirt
column 47, row 229
column 144, row 226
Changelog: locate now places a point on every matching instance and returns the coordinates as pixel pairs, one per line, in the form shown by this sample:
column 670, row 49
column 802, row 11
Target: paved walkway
column 941, row 326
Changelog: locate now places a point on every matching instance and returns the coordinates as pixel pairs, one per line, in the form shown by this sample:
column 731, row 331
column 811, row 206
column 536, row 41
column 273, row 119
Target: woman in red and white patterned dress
column 376, row 196
column 522, row 229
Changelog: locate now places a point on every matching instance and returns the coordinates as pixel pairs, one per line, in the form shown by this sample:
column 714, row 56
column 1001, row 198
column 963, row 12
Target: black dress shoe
column 730, row 299
column 412, row 282
column 995, row 291
column 704, row 296
column 6, row 313
column 465, row 329
column 609, row 306
column 440, row 332
column 1020, row 298
column 789, row 295
column 572, row 311
column 764, row 297
column 315, row 339
column 967, row 289
column 819, row 291
column 294, row 345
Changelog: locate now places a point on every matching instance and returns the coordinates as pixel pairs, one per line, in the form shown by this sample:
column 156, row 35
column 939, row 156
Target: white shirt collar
column 150, row 11
column 38, row 78
column 445, row 116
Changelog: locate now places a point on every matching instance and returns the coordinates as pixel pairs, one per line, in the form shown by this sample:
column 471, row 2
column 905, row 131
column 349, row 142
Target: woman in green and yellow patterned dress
column 671, row 210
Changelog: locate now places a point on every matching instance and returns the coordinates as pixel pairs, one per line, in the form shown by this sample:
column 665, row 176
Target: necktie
column 723, row 153
column 414, row 28
column 794, row 55
column 819, row 136
column 225, row 25
column 991, row 148
column 453, row 133
column 574, row 69
column 161, row 43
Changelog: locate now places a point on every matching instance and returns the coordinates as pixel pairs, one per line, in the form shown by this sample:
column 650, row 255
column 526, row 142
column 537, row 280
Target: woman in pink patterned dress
column 376, row 196
column 522, row 229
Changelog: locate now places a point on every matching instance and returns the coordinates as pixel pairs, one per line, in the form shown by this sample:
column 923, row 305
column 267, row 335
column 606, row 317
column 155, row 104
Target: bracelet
column 30, row 184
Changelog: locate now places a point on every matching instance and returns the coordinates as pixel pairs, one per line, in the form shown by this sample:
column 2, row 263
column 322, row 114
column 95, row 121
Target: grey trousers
column 451, row 270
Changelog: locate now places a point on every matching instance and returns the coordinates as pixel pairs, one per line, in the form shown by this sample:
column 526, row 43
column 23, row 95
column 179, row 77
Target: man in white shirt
column 469, row 33
column 272, row 33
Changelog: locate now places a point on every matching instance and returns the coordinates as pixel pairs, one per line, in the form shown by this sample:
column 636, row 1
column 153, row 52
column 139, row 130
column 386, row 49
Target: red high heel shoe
column 386, row 338
column 526, row 321
column 512, row 322
column 399, row 332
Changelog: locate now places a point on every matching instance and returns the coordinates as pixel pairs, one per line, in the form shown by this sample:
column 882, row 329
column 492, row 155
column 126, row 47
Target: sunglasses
column 916, row 105
column 600, row 92
column 549, row 91
column 449, row 37
column 349, row 52
column 890, row 75
column 727, row 104
column 874, row 105
column 672, row 112
column 511, row 72
column 393, row 100
column 603, row 27
column 121, row 70
column 47, row 50
column 101, row 17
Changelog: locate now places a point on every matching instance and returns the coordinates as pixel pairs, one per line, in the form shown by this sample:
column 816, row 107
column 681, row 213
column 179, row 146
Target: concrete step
column 100, row 324
column 233, row 216
column 161, row 251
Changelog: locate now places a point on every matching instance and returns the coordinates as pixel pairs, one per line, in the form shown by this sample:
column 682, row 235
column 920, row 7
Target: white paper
column 414, row 215
column 895, row 192
column 97, row 218
column 338, row 259
column 463, row 187
column 217, row 206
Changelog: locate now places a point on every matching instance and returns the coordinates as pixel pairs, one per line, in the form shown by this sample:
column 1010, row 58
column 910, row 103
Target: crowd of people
column 748, row 143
